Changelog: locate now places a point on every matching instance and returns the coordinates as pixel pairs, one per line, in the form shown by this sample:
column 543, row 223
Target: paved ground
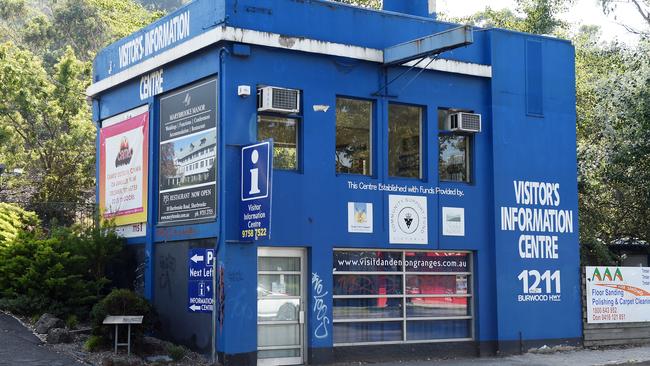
column 629, row 356
column 19, row 346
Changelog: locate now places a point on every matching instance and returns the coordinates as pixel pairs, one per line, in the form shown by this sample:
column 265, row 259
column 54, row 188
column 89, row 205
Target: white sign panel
column 453, row 221
column 618, row 294
column 407, row 220
column 359, row 217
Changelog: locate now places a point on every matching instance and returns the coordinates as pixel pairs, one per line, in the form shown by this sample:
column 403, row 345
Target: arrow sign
column 197, row 258
column 195, row 308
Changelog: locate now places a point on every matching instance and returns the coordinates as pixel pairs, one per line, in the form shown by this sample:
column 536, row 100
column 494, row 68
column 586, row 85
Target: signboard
column 200, row 294
column 123, row 168
column 618, row 294
column 453, row 221
column 360, row 217
column 408, row 219
column 188, row 155
column 256, row 179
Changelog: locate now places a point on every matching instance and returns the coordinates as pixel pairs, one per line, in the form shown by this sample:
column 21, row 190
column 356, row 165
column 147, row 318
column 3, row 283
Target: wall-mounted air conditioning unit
column 463, row 122
column 279, row 100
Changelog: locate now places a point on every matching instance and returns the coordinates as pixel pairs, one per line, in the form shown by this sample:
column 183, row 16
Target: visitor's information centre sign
column 618, row 294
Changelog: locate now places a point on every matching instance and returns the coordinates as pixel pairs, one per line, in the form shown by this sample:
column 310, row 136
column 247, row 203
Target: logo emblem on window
column 408, row 220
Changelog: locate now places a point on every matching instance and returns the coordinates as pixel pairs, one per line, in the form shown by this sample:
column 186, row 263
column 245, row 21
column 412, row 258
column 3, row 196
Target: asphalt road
column 19, row 346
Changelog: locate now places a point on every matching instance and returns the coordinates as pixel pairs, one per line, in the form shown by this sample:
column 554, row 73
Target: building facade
column 424, row 200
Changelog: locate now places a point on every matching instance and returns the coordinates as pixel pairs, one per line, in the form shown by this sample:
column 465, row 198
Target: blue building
column 423, row 196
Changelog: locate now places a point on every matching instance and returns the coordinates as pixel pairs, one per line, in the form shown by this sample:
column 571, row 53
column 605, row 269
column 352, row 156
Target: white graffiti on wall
column 320, row 309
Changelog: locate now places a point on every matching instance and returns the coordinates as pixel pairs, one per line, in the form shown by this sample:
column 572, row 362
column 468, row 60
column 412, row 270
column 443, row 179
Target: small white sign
column 407, row 220
column 453, row 221
column 132, row 230
column 359, row 217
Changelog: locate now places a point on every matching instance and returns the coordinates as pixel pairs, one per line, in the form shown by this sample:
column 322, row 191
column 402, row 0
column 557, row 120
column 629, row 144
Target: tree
column 641, row 6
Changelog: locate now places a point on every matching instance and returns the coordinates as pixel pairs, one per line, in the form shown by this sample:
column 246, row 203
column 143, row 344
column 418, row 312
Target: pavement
column 19, row 346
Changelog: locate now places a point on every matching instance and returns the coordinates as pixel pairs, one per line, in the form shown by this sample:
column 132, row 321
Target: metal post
column 116, row 326
column 129, row 342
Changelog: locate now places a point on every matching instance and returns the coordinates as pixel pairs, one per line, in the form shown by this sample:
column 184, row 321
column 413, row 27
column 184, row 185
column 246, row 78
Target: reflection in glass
column 454, row 158
column 279, row 353
column 278, row 285
column 277, row 310
column 353, row 120
column 382, row 307
column 404, row 124
column 367, row 332
column 284, row 132
column 280, row 264
column 367, row 261
column 436, row 284
column 436, row 306
column 437, row 329
column 367, row 284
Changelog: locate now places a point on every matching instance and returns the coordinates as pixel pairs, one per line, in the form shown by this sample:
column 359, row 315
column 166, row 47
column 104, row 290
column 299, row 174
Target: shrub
column 13, row 220
column 94, row 343
column 123, row 302
column 176, row 352
column 71, row 322
column 58, row 272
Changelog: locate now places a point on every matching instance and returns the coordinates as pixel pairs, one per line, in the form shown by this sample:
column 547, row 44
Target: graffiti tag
column 320, row 309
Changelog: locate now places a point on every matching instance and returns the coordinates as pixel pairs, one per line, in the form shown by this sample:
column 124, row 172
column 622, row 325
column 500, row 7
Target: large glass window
column 404, row 147
column 454, row 152
column 401, row 296
column 353, row 134
column 284, row 132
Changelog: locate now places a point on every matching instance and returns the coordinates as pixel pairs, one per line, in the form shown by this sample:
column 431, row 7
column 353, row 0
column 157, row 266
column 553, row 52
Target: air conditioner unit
column 279, row 100
column 463, row 122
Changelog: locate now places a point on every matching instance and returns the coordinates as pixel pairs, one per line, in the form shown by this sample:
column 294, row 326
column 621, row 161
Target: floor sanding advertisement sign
column 618, row 294
column 123, row 168
column 188, row 154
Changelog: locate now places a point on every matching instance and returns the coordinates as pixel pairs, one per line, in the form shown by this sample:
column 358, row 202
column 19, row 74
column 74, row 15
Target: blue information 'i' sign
column 200, row 294
column 256, row 179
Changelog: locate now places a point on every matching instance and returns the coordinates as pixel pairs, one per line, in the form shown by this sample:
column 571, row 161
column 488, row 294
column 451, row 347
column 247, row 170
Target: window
column 284, row 132
column 353, row 134
column 454, row 152
column 384, row 296
column 404, row 131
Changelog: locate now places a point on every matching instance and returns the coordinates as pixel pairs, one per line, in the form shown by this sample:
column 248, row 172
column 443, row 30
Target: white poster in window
column 359, row 217
column 453, row 221
column 407, row 220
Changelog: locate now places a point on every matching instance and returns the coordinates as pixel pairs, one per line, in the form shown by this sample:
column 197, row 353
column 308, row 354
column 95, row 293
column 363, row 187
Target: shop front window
column 353, row 134
column 387, row 296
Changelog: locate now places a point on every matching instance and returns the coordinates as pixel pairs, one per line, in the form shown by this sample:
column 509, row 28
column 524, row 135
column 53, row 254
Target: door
column 281, row 284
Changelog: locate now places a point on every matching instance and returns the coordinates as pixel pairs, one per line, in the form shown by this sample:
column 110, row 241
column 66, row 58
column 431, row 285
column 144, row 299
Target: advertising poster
column 123, row 169
column 188, row 154
column 618, row 294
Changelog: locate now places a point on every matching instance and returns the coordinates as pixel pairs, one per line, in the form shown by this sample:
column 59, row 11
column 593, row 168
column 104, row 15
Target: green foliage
column 94, row 343
column 176, row 352
column 123, row 302
column 374, row 4
column 71, row 322
column 14, row 219
column 641, row 6
column 55, row 272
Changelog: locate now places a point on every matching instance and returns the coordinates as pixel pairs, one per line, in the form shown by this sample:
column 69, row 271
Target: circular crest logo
column 408, row 219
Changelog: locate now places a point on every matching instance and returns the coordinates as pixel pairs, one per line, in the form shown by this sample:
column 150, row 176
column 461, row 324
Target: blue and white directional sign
column 200, row 294
column 256, row 179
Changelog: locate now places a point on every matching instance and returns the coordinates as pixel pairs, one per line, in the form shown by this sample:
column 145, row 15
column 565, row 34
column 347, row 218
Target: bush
column 123, row 302
column 60, row 272
column 13, row 220
column 71, row 322
column 176, row 352
column 93, row 343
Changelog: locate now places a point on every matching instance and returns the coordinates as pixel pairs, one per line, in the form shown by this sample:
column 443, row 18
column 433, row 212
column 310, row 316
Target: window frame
column 372, row 171
column 404, row 319
column 422, row 149
column 469, row 153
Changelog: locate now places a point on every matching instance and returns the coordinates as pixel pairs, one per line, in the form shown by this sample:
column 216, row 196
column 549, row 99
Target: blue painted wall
column 518, row 143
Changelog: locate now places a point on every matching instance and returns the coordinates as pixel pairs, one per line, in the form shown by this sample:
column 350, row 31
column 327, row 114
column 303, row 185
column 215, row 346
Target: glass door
column 280, row 306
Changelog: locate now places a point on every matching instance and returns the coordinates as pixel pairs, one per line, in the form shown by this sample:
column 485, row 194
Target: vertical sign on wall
column 188, row 154
column 256, row 179
column 123, row 171
column 200, row 294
